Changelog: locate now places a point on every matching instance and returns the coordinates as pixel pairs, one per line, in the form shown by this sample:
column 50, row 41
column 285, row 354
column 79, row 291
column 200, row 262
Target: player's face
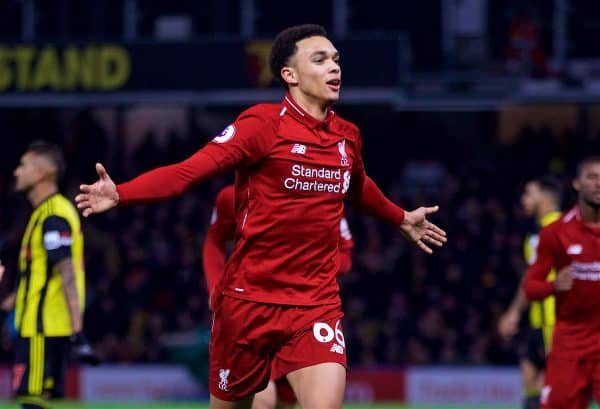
column 315, row 69
column 530, row 198
column 28, row 172
column 588, row 184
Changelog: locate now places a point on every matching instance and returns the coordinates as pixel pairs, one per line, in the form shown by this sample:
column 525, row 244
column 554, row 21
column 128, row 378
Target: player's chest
column 577, row 245
column 313, row 147
column 582, row 252
column 310, row 163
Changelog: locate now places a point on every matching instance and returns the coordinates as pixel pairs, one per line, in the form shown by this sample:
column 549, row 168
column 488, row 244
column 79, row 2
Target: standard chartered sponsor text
column 586, row 271
column 323, row 173
column 328, row 180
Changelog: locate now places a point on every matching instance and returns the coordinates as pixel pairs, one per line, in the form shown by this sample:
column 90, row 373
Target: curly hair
column 284, row 46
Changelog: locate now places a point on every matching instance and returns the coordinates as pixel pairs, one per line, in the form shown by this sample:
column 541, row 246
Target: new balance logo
column 299, row 149
column 575, row 249
column 337, row 348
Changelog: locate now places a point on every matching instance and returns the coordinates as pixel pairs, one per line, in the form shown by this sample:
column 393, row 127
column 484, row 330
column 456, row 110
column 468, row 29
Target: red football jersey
column 222, row 230
column 292, row 175
column 289, row 197
column 570, row 242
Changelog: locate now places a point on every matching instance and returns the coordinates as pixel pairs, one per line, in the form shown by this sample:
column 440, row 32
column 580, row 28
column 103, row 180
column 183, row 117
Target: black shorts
column 536, row 348
column 40, row 366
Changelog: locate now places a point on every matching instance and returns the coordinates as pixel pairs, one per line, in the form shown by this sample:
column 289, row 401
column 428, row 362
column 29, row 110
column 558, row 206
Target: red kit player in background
column 571, row 245
column 278, row 304
column 279, row 393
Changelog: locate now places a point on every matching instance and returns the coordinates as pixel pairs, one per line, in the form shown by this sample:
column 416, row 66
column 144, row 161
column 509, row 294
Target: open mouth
column 334, row 84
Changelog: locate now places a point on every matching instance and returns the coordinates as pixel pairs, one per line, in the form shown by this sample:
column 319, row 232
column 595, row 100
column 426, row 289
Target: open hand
column 99, row 197
column 422, row 232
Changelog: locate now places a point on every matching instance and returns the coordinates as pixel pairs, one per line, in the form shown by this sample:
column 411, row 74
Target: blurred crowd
column 143, row 264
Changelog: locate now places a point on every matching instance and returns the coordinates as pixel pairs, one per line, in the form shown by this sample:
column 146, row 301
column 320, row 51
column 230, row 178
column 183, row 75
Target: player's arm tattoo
column 69, row 284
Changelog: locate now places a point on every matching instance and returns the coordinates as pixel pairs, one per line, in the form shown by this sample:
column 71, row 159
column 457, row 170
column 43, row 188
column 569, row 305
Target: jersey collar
column 294, row 109
column 575, row 213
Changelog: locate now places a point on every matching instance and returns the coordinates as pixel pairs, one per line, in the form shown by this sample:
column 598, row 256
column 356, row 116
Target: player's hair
column 49, row 151
column 284, row 46
column 586, row 160
column 551, row 185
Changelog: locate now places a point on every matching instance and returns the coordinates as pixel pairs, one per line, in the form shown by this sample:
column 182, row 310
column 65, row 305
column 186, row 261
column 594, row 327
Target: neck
column 315, row 108
column 41, row 192
column 589, row 213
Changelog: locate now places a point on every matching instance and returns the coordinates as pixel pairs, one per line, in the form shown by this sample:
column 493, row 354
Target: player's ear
column 576, row 184
column 289, row 75
column 41, row 165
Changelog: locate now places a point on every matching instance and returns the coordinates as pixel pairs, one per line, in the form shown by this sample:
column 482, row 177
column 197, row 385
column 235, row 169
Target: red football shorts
column 570, row 383
column 253, row 342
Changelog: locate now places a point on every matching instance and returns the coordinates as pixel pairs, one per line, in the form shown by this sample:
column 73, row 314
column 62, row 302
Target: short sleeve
column 56, row 238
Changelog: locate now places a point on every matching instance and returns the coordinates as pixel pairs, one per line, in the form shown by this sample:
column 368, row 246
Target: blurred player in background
column 279, row 393
column 540, row 199
column 51, row 280
column 277, row 309
column 571, row 246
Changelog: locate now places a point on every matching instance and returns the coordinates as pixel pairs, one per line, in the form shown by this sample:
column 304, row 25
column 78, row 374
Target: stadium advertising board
column 375, row 385
column 28, row 68
column 138, row 383
column 461, row 386
column 111, row 67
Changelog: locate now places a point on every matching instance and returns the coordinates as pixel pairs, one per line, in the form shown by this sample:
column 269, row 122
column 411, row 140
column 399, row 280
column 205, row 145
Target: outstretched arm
column 414, row 224
column 247, row 141
column 157, row 184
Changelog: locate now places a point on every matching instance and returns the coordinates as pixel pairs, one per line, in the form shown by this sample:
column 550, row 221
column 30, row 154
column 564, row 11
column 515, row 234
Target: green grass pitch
column 204, row 405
